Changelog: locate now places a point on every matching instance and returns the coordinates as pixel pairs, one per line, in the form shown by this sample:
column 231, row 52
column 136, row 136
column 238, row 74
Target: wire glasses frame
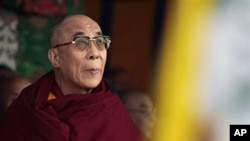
column 145, row 111
column 101, row 42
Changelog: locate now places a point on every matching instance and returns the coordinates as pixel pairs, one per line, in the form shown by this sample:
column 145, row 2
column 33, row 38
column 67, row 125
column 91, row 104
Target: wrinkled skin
column 77, row 71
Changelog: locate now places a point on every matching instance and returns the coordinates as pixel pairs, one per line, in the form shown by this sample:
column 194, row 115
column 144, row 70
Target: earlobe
column 53, row 58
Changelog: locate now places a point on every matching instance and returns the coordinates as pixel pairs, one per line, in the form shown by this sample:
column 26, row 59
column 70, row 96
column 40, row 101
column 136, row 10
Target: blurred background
column 191, row 56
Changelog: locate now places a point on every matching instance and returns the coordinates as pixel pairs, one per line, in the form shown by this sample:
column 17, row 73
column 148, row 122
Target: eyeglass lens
column 84, row 42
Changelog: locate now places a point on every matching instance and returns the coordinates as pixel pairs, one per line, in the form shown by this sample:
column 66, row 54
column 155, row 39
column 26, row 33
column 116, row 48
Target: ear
column 53, row 58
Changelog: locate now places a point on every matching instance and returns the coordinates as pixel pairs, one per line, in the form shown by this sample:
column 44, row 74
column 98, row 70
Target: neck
column 70, row 88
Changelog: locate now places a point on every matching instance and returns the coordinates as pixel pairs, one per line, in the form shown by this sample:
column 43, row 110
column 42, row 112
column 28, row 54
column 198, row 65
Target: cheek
column 70, row 60
column 8, row 102
column 104, row 58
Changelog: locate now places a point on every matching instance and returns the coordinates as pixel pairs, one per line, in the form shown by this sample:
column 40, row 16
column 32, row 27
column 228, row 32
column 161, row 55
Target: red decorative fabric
column 45, row 7
column 99, row 116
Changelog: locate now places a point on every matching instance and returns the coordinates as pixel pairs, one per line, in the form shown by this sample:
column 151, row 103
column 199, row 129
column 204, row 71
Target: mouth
column 93, row 70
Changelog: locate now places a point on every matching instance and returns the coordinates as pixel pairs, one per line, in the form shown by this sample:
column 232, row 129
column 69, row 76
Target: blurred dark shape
column 141, row 110
column 11, row 85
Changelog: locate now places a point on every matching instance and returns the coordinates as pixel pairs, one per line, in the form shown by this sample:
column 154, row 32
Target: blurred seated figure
column 141, row 110
column 5, row 69
column 119, row 78
column 11, row 85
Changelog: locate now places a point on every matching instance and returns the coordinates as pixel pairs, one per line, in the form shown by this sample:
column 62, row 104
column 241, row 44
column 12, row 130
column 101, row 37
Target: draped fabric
column 98, row 116
column 178, row 72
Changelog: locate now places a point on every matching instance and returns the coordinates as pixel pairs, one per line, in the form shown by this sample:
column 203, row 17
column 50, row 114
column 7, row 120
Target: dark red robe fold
column 99, row 116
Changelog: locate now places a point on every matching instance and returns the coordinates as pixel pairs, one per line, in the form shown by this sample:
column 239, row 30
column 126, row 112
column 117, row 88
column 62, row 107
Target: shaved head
column 76, row 71
column 62, row 28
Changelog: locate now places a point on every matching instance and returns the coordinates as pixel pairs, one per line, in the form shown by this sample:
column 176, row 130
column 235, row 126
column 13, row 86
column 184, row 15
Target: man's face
column 80, row 70
column 13, row 90
column 140, row 109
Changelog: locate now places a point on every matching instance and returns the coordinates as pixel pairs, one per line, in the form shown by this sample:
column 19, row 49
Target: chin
column 93, row 84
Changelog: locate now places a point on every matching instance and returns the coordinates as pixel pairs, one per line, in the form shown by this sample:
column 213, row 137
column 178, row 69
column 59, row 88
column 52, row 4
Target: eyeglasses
column 101, row 42
column 145, row 111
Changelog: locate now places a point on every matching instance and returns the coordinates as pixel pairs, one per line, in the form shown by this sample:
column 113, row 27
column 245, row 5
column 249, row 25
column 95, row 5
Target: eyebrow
column 144, row 105
column 99, row 33
column 80, row 33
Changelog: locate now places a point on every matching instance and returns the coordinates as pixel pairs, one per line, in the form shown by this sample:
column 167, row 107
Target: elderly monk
column 140, row 107
column 72, row 102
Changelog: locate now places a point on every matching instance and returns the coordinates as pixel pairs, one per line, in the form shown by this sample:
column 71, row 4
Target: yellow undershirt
column 51, row 96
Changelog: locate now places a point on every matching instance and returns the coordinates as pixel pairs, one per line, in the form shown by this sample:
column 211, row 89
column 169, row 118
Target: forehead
column 138, row 100
column 80, row 25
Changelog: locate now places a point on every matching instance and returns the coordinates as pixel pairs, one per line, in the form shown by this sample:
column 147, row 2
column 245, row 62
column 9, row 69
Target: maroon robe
column 99, row 116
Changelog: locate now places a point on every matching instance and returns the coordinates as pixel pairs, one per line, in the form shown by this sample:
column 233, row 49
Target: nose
column 93, row 52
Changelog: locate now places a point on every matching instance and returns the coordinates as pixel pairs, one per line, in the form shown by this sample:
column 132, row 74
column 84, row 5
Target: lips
column 93, row 70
